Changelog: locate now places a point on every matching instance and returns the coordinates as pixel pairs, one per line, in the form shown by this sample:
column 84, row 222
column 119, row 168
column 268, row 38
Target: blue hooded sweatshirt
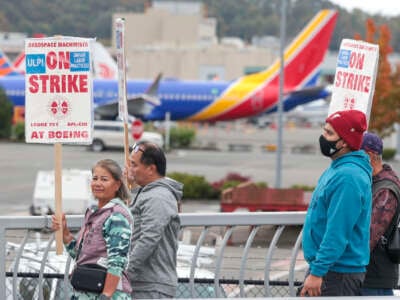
column 336, row 228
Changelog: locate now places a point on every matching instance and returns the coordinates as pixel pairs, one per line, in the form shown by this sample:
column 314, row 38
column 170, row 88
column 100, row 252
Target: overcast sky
column 384, row 7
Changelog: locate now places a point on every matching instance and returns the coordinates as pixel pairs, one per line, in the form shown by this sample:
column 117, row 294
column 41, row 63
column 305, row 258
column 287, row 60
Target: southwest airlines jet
column 247, row 96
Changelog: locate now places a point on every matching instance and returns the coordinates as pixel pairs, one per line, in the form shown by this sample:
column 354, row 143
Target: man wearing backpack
column 382, row 274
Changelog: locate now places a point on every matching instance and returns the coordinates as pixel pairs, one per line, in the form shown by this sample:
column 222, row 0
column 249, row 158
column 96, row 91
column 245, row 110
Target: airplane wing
column 302, row 96
column 138, row 106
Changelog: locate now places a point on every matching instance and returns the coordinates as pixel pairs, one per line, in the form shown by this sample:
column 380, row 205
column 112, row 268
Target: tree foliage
column 240, row 18
column 385, row 110
column 5, row 115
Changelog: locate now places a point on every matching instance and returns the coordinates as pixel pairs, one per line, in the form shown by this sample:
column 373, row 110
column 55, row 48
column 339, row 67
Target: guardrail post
column 3, row 246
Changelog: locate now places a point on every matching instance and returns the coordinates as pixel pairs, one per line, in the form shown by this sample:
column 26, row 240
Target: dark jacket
column 381, row 272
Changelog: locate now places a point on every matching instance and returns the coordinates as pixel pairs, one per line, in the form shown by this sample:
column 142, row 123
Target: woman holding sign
column 102, row 246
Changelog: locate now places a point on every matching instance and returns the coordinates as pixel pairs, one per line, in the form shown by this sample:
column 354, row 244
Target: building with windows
column 180, row 41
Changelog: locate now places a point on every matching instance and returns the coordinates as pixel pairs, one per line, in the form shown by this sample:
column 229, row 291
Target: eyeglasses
column 136, row 148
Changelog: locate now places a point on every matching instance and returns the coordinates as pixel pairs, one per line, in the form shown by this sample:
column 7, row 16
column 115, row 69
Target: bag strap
column 84, row 232
column 81, row 240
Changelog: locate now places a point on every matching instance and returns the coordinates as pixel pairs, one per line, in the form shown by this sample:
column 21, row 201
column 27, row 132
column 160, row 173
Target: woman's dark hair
column 153, row 155
column 116, row 172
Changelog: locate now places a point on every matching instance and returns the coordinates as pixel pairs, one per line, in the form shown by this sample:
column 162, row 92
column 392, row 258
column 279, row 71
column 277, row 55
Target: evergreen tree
column 6, row 110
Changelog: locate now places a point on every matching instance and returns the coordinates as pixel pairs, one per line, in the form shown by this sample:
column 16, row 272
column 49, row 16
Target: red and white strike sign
column 137, row 129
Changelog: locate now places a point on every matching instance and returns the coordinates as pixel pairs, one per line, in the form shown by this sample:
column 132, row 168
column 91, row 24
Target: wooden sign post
column 58, row 100
column 58, row 194
column 122, row 99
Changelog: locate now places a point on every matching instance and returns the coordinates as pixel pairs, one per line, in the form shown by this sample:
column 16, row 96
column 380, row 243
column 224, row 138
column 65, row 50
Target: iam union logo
column 349, row 102
column 59, row 107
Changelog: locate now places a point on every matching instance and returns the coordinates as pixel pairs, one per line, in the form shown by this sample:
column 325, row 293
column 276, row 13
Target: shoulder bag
column 89, row 278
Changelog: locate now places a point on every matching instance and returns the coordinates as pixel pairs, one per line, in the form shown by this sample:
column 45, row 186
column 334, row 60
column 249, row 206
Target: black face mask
column 328, row 148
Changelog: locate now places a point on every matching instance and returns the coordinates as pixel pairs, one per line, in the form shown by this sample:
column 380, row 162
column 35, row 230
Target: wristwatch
column 104, row 297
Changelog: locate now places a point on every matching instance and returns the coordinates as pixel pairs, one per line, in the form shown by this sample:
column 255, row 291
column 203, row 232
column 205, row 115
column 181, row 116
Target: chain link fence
column 202, row 288
column 52, row 288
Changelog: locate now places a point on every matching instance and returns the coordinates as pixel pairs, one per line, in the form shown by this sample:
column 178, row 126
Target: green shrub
column 195, row 186
column 6, row 111
column 230, row 183
column 230, row 177
column 262, row 184
column 306, row 188
column 18, row 131
column 149, row 126
column 182, row 136
column 388, row 153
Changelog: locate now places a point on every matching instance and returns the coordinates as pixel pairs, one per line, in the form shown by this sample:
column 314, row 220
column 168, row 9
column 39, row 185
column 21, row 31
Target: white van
column 76, row 192
column 110, row 134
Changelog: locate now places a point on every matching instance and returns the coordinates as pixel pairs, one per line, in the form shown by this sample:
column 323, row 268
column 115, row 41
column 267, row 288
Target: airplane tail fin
column 19, row 63
column 259, row 92
column 6, row 69
column 104, row 65
column 303, row 57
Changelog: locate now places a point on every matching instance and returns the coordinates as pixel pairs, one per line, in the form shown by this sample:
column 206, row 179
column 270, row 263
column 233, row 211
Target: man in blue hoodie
column 336, row 228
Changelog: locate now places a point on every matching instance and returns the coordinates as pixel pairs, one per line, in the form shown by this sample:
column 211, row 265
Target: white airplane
column 104, row 66
column 313, row 113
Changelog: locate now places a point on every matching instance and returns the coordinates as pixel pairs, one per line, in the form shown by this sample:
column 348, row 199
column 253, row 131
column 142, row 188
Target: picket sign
column 356, row 71
column 58, row 100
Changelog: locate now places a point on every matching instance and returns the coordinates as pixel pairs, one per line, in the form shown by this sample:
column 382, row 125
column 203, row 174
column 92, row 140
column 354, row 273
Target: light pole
column 280, row 100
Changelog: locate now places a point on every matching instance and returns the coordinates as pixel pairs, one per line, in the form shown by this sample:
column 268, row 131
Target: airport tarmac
column 20, row 162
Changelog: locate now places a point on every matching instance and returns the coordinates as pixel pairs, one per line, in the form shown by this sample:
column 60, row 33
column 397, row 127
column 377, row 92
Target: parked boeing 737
column 247, row 96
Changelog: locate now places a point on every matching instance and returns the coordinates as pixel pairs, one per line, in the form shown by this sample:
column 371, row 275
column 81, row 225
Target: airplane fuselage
column 182, row 99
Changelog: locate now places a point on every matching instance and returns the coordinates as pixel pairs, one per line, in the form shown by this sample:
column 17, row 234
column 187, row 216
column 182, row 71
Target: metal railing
column 220, row 255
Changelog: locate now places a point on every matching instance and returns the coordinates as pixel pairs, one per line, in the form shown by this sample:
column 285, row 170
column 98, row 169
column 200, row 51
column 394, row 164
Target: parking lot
column 20, row 162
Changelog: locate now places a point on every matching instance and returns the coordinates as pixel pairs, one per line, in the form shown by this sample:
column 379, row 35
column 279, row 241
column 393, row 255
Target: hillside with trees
column 244, row 18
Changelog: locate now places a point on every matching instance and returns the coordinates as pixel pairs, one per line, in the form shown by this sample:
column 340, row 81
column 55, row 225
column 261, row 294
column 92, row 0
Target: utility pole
column 280, row 101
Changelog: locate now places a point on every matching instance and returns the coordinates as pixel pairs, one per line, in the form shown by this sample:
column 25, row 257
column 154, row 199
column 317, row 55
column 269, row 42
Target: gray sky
column 384, row 7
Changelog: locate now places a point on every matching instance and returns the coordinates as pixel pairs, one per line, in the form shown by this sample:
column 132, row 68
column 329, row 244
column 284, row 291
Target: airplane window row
column 16, row 92
column 100, row 94
column 194, row 97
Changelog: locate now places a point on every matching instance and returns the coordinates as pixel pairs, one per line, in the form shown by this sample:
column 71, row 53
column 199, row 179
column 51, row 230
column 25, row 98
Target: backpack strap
column 393, row 225
column 395, row 189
